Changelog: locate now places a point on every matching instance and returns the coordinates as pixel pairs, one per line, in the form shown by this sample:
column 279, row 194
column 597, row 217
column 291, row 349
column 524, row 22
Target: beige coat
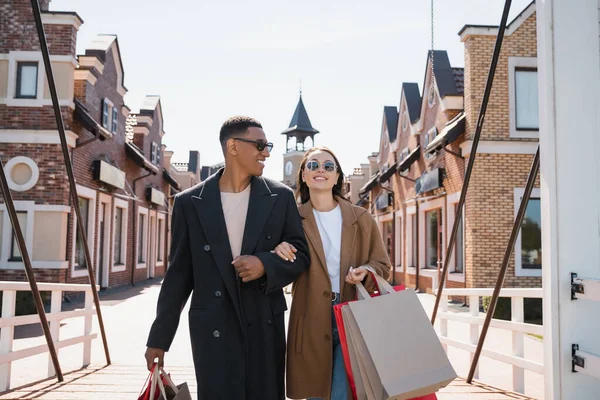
column 309, row 347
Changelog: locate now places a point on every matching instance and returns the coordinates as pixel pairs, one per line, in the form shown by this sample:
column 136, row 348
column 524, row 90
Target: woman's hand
column 285, row 251
column 356, row 275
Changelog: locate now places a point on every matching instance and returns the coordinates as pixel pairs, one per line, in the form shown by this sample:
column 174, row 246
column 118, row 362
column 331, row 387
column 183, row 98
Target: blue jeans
column 339, row 381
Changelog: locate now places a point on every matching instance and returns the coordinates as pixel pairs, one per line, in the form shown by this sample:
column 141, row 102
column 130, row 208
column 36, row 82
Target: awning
column 449, row 134
column 429, row 181
column 370, row 185
column 383, row 201
column 385, row 176
column 107, row 173
column 88, row 122
column 362, row 200
column 170, row 180
column 409, row 160
column 136, row 155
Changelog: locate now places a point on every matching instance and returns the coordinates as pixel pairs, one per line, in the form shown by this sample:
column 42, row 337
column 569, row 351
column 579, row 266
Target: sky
column 212, row 59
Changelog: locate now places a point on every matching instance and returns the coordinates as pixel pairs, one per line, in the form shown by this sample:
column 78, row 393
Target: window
column 141, row 237
column 155, row 156
column 433, row 228
column 459, row 255
column 84, row 206
column 526, row 99
column 388, row 235
column 105, row 113
column 118, row 241
column 431, row 96
column 161, row 244
column 430, row 137
column 115, row 120
column 531, row 236
column 404, row 121
column 528, row 247
column 15, row 253
column 27, row 80
column 404, row 154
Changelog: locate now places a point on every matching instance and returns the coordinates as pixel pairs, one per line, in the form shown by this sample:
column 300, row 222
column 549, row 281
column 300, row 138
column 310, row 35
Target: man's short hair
column 237, row 125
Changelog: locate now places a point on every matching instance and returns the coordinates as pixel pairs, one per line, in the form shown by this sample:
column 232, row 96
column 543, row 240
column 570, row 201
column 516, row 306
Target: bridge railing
column 516, row 325
column 55, row 316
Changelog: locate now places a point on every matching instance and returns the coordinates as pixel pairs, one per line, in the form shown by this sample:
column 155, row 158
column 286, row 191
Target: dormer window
column 431, row 96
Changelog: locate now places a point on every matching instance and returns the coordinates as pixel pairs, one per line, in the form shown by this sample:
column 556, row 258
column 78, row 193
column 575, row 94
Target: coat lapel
column 311, row 230
column 259, row 208
column 210, row 212
column 349, row 228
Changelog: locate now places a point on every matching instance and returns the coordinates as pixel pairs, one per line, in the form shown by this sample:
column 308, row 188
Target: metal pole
column 535, row 166
column 463, row 192
column 10, row 207
column 65, row 150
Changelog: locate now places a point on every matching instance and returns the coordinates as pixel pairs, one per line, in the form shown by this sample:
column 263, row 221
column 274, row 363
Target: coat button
column 216, row 334
column 217, row 294
column 268, row 236
column 206, row 247
column 270, row 322
column 327, row 293
column 327, row 337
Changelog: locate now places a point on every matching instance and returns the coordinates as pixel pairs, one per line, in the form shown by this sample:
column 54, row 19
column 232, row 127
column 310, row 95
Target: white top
column 330, row 229
column 235, row 210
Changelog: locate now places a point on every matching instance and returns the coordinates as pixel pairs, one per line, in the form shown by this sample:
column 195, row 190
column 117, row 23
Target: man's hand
column 249, row 268
column 356, row 275
column 152, row 354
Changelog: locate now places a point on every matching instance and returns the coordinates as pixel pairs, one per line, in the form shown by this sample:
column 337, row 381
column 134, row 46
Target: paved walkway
column 128, row 314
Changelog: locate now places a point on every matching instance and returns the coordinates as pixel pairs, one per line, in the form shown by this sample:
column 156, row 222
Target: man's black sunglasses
column 260, row 144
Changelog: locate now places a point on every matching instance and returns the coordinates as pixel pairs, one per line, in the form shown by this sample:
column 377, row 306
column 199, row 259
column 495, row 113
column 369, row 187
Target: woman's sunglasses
column 260, row 144
column 314, row 165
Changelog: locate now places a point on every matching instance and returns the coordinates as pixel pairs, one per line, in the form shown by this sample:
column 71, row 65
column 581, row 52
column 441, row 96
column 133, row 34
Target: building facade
column 415, row 186
column 124, row 181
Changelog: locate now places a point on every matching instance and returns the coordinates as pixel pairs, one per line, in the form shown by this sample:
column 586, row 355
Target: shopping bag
column 175, row 392
column 160, row 386
column 347, row 355
column 416, row 365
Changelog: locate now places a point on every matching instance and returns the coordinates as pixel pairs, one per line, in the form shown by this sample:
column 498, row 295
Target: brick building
column 123, row 178
column 415, row 186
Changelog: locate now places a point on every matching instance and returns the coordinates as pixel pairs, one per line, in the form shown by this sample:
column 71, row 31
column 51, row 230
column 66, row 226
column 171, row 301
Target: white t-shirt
column 235, row 210
column 330, row 229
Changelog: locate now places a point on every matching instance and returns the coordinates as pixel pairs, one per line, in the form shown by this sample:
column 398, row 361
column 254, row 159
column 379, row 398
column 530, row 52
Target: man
column 224, row 230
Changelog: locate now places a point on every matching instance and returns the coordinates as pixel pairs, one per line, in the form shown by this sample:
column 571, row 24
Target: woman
column 340, row 236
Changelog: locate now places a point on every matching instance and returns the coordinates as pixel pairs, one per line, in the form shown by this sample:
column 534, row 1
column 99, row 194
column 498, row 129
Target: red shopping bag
column 337, row 310
column 151, row 389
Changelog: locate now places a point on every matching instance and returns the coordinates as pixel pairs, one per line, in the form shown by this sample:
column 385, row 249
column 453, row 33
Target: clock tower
column 296, row 134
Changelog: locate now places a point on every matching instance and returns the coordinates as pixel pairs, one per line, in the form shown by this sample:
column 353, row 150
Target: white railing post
column 518, row 345
column 87, row 329
column 9, row 301
column 55, row 307
column 443, row 320
column 474, row 328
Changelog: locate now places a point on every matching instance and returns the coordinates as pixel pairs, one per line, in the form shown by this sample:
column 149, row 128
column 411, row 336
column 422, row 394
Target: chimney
column 44, row 5
column 194, row 162
column 167, row 155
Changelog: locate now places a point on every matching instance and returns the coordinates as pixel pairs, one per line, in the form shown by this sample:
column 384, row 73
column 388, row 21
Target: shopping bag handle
column 170, row 382
column 157, row 381
column 383, row 285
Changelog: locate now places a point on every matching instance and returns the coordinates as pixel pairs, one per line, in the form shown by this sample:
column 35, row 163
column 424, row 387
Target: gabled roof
column 445, row 79
column 100, row 46
column 410, row 91
column 391, row 119
column 300, row 121
column 152, row 107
